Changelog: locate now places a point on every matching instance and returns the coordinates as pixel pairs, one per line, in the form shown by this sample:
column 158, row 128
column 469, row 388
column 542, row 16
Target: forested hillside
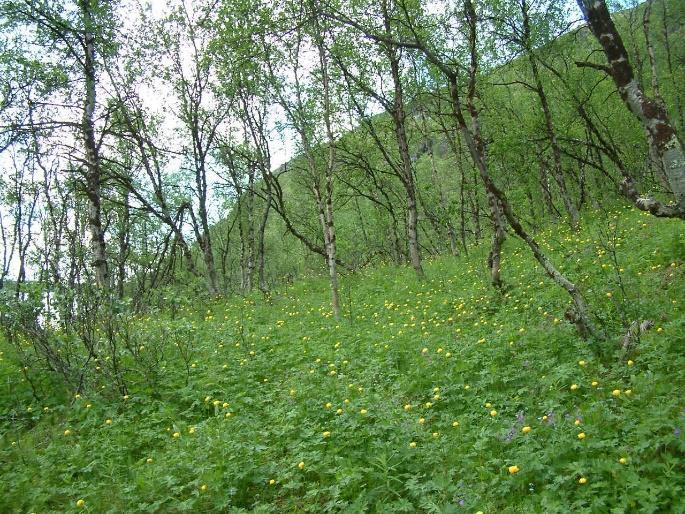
column 322, row 256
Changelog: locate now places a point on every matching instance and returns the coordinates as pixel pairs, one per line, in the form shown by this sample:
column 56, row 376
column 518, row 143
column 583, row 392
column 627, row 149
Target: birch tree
column 652, row 115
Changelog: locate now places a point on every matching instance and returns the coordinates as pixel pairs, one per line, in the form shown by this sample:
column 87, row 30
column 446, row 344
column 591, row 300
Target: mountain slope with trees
column 392, row 256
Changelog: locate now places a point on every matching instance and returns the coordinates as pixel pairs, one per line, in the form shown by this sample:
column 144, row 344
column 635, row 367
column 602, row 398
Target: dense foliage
column 446, row 364
column 386, row 256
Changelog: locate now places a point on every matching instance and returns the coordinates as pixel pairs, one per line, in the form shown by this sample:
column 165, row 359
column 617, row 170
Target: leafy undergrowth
column 441, row 396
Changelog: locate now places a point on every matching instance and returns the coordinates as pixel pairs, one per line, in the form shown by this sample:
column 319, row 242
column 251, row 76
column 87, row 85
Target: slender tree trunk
column 462, row 204
column 662, row 137
column 261, row 267
column 399, row 255
column 251, row 250
column 498, row 237
column 559, row 176
column 475, row 208
column 656, row 90
column 656, row 163
column 124, row 245
column 243, row 242
column 407, row 182
column 326, row 204
column 325, row 220
column 474, row 143
column 93, row 170
column 669, row 61
column 442, row 201
column 407, row 173
column 412, row 233
column 544, row 185
column 205, row 238
column 332, row 243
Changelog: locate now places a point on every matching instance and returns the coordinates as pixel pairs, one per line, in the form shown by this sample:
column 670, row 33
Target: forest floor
column 436, row 396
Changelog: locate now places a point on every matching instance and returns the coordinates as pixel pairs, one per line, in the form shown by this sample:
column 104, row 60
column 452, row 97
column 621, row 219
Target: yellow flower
column 525, row 430
column 301, row 465
column 422, row 421
column 407, row 407
column 191, row 430
column 149, row 460
column 630, row 363
column 574, row 387
column 513, row 469
column 81, row 503
column 363, row 412
column 628, row 392
column 595, row 383
column 488, row 405
column 581, row 363
column 616, row 392
column 582, row 480
column 577, row 422
column 428, row 405
column 203, row 488
column 623, row 460
column 581, row 436
column 455, row 424
column 425, row 350
column 412, row 445
column 326, row 434
column 67, row 432
column 339, row 411
column 493, row 413
column 177, row 435
column 272, row 482
column 108, row 422
column 329, row 405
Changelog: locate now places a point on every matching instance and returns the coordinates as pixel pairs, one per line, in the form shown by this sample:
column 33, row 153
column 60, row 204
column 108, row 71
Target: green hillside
column 450, row 194
column 186, row 355
column 415, row 402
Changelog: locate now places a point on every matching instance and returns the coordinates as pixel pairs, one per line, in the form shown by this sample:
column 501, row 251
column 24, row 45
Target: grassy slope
column 449, row 341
